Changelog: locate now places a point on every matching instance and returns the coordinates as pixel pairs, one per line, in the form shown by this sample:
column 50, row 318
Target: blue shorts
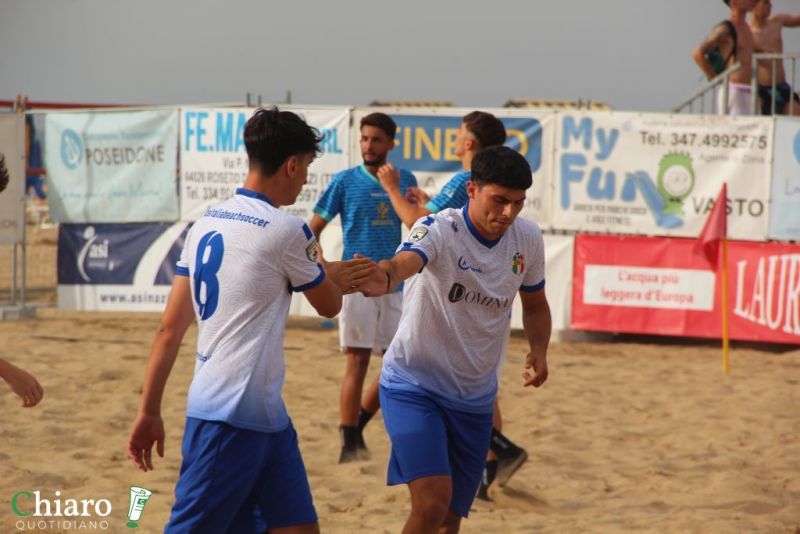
column 237, row 480
column 429, row 439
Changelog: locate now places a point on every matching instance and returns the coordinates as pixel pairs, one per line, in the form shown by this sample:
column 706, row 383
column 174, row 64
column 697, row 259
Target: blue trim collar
column 367, row 174
column 253, row 194
column 482, row 240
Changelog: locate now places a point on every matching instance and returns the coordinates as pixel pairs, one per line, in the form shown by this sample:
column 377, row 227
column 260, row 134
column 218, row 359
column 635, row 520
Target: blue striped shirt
column 369, row 223
column 452, row 195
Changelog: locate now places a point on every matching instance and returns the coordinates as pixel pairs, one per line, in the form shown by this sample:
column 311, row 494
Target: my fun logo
column 71, row 149
column 665, row 201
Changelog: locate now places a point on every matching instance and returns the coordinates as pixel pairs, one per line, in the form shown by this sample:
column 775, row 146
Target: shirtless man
column 732, row 48
column 766, row 30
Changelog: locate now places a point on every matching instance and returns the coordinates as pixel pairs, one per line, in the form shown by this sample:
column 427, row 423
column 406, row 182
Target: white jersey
column 457, row 310
column 243, row 258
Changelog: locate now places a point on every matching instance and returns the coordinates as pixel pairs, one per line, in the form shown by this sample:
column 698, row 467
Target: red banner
column 665, row 287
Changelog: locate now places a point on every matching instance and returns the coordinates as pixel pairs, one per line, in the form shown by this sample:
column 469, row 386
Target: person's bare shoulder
column 719, row 37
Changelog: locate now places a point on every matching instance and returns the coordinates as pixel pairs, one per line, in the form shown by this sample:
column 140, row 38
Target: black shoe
column 489, row 474
column 483, row 492
column 507, row 466
column 348, row 455
column 362, row 452
column 351, row 443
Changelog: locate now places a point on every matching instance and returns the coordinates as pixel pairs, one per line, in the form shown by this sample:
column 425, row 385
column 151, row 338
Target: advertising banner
column 112, row 166
column 784, row 222
column 214, row 160
column 425, row 145
column 655, row 174
column 12, row 199
column 117, row 267
column 663, row 286
column 558, row 282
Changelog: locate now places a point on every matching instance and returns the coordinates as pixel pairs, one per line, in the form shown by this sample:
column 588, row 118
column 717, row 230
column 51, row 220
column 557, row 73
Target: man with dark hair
column 729, row 42
column 478, row 130
column 371, row 228
column 439, row 380
column 767, row 32
column 242, row 470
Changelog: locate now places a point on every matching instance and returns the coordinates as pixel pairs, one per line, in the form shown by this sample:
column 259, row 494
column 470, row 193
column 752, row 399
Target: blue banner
column 427, row 142
column 115, row 253
column 117, row 267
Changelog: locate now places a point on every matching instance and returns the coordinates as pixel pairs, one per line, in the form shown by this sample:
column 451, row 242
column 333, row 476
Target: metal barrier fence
column 720, row 85
column 29, row 271
column 710, row 89
column 773, row 59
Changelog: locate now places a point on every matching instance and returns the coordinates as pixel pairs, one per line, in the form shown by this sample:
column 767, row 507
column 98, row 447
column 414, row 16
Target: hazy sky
column 632, row 54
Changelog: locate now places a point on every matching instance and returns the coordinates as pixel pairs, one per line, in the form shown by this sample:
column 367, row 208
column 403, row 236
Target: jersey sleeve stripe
column 322, row 213
column 307, row 231
column 432, row 207
column 182, row 271
column 533, row 288
column 311, row 285
column 407, row 247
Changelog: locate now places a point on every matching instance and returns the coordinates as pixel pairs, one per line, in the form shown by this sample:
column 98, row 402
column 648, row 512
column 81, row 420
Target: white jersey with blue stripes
column 457, row 310
column 243, row 258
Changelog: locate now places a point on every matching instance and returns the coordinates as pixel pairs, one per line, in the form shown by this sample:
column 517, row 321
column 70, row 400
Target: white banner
column 659, row 174
column 112, row 166
column 649, row 287
column 214, row 160
column 558, row 251
column 12, row 199
column 425, row 144
column 785, row 210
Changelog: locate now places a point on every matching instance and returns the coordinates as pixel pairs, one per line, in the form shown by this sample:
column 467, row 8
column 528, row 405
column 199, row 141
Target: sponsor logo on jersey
column 464, row 265
column 418, row 234
column 311, row 250
column 459, row 293
column 383, row 219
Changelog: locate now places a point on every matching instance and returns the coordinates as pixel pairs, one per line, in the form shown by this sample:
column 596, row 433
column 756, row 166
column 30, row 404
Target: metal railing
column 722, row 79
column 773, row 59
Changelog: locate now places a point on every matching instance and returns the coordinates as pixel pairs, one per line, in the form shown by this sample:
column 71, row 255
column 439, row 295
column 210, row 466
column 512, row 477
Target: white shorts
column 739, row 99
column 369, row 322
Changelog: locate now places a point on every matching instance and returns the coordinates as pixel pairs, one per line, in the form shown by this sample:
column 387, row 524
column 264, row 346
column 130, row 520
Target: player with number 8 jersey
column 242, row 471
column 238, row 272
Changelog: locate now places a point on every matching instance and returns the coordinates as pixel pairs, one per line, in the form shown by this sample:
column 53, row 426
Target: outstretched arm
column 22, row 383
column 536, row 323
column 390, row 273
column 389, row 178
column 342, row 278
column 149, row 427
column 787, row 20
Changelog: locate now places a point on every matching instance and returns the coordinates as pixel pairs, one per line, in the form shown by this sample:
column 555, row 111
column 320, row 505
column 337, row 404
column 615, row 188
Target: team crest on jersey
column 383, row 210
column 418, row 234
column 311, row 250
column 518, row 263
